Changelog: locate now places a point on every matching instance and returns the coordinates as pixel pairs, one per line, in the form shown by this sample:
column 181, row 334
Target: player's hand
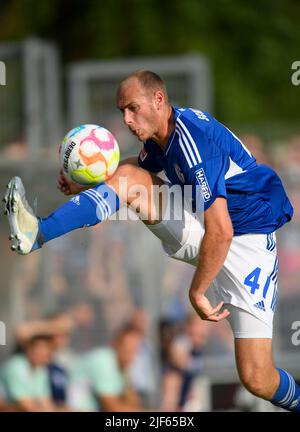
column 205, row 310
column 68, row 187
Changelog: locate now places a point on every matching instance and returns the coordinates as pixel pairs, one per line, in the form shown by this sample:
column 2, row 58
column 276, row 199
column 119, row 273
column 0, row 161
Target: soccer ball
column 89, row 154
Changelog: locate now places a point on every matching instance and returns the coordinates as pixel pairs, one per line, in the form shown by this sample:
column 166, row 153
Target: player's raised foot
column 24, row 224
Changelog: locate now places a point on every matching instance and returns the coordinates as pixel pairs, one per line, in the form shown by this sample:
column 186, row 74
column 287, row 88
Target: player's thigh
column 141, row 190
column 132, row 175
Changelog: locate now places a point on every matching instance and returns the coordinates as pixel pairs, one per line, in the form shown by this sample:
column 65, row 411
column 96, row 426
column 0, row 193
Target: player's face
column 139, row 108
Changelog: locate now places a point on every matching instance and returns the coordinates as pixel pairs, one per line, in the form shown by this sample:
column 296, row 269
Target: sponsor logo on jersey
column 143, row 154
column 204, row 187
column 179, row 173
column 67, row 155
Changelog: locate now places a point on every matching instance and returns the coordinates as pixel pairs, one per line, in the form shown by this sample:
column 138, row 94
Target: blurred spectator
column 58, row 328
column 5, row 406
column 291, row 165
column 100, row 378
column 61, row 326
column 141, row 371
column 89, row 328
column 16, row 150
column 256, row 146
column 185, row 363
column 168, row 329
column 25, row 376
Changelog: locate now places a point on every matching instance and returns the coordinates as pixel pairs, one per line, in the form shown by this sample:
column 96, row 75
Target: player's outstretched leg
column 24, row 225
column 90, row 207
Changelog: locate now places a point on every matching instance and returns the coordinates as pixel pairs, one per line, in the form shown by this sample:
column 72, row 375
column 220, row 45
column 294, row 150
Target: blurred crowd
column 45, row 374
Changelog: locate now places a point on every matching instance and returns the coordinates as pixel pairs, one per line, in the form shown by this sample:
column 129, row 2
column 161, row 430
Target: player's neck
column 163, row 134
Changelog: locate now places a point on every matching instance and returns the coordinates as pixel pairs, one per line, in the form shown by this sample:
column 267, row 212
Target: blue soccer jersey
column 203, row 153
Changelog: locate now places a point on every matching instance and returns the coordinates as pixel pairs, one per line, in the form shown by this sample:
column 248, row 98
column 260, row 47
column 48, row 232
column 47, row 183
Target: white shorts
column 245, row 325
column 248, row 278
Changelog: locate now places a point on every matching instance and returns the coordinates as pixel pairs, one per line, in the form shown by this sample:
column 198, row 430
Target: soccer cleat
column 24, row 224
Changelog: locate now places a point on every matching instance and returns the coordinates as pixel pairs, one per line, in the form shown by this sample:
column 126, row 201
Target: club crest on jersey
column 179, row 173
column 143, row 154
column 204, row 187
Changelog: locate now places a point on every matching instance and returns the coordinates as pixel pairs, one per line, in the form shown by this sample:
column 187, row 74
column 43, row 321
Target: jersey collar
column 176, row 114
column 164, row 152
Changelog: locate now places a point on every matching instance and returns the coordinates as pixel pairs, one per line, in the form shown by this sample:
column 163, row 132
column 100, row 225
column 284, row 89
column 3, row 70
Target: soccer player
column 233, row 248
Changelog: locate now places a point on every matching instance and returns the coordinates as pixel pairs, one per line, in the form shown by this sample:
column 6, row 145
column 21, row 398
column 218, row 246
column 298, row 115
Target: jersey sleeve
column 148, row 160
column 203, row 164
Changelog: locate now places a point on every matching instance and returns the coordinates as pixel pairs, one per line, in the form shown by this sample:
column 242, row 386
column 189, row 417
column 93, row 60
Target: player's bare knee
column 256, row 382
column 126, row 170
column 257, row 388
column 125, row 175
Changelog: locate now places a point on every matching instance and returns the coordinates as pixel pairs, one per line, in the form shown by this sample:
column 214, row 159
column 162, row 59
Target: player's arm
column 213, row 251
column 204, row 165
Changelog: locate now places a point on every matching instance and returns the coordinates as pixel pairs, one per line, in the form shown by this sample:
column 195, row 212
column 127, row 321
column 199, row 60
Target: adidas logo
column 260, row 305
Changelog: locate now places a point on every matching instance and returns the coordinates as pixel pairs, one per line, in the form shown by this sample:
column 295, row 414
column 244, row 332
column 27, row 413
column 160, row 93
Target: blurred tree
column 251, row 44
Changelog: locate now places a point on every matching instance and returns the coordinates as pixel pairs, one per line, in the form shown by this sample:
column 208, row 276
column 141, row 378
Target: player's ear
column 159, row 98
